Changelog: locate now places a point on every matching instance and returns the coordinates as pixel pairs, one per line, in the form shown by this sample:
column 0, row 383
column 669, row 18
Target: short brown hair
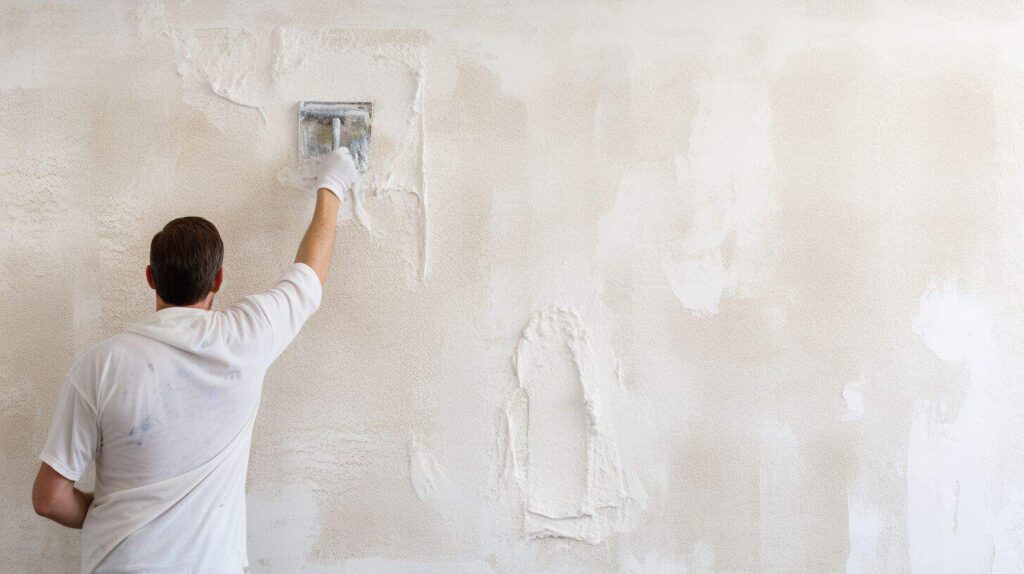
column 185, row 257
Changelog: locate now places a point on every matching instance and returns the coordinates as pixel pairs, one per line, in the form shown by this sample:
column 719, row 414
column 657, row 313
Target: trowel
column 325, row 126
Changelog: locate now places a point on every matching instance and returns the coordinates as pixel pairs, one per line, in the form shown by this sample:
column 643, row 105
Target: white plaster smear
column 853, row 397
column 955, row 326
column 424, row 471
column 867, row 529
column 871, row 528
column 698, row 220
column 952, row 525
column 726, row 165
column 282, row 527
column 560, row 450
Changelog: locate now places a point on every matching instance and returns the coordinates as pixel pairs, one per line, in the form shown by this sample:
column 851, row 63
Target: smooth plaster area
column 630, row 287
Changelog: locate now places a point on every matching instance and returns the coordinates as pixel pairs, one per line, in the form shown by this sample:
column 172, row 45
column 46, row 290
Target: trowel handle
column 336, row 132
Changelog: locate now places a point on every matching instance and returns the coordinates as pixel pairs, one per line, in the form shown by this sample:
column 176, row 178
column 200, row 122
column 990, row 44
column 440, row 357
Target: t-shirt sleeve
column 275, row 317
column 74, row 434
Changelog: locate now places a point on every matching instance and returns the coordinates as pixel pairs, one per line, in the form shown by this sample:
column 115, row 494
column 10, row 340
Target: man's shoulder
column 122, row 348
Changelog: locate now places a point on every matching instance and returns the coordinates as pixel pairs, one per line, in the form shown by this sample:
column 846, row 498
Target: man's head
column 185, row 260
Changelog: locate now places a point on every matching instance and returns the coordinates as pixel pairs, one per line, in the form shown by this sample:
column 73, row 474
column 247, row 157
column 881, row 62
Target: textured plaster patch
column 561, row 455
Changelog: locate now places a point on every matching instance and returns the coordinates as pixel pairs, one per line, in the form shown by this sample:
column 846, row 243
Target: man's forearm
column 56, row 498
column 317, row 244
column 72, row 512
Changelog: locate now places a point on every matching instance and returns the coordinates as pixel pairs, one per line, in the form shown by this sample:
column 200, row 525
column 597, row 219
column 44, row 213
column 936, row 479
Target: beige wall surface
column 640, row 287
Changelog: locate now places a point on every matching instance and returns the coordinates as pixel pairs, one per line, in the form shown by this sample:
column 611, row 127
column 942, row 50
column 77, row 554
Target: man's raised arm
column 338, row 174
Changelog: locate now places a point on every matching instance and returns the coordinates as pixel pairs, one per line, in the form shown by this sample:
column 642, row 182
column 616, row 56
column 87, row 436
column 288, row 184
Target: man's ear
column 149, row 276
column 217, row 280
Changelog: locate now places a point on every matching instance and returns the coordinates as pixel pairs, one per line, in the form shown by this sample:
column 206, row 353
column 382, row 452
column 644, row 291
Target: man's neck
column 205, row 304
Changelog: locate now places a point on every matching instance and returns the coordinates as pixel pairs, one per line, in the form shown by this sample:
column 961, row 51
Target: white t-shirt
column 166, row 410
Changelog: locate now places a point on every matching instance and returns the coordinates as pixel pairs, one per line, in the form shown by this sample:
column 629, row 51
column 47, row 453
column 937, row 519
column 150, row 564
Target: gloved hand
column 338, row 173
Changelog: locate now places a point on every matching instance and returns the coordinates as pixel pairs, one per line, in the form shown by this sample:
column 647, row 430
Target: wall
column 640, row 287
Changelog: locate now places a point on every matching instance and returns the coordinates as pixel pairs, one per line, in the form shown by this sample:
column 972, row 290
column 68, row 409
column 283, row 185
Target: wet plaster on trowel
column 562, row 470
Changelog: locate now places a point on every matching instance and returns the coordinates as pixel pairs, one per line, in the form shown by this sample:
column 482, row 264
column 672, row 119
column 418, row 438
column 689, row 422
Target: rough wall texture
column 640, row 287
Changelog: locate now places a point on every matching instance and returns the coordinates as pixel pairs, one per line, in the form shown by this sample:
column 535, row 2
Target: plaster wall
column 639, row 287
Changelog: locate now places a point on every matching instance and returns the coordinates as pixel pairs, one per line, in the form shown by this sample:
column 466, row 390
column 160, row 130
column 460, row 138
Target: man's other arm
column 56, row 498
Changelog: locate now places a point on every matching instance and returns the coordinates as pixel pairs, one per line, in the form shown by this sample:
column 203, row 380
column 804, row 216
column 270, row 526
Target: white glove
column 338, row 173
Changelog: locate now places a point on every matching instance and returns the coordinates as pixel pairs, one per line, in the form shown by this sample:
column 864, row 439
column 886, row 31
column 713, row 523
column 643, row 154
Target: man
column 166, row 409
